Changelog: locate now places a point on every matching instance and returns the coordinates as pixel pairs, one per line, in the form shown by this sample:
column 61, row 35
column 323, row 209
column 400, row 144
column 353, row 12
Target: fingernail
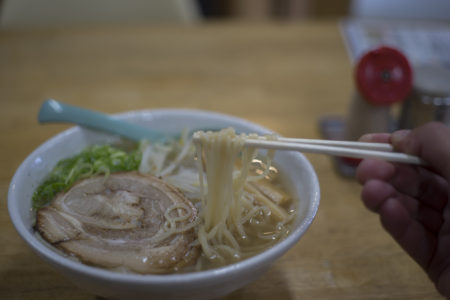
column 366, row 137
column 399, row 136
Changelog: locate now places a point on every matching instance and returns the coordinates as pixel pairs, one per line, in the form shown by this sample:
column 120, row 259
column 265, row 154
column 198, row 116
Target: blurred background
column 418, row 28
column 47, row 12
column 41, row 12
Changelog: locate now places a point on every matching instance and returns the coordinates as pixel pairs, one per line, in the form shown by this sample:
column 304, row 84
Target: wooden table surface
column 282, row 76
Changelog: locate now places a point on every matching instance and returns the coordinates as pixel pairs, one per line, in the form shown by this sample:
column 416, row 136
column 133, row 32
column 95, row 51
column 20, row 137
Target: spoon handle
column 55, row 111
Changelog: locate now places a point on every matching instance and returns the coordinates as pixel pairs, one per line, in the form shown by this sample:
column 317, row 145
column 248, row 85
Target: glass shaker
column 430, row 100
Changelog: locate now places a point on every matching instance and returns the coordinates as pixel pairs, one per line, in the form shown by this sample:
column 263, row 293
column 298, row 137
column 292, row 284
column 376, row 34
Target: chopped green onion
column 92, row 161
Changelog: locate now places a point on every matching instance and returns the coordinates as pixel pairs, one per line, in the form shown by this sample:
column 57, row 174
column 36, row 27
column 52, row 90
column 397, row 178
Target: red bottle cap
column 383, row 76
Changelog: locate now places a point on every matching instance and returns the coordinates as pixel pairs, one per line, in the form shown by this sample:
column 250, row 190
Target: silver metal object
column 430, row 100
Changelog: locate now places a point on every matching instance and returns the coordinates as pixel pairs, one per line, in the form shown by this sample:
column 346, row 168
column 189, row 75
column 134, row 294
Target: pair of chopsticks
column 336, row 148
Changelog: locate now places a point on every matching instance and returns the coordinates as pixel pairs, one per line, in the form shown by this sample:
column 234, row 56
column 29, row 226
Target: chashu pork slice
column 125, row 220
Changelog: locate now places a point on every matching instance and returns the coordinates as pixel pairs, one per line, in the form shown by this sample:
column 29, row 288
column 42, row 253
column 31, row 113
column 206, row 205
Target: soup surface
column 177, row 206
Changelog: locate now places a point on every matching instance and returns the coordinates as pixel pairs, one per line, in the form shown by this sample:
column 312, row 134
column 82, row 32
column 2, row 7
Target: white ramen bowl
column 298, row 174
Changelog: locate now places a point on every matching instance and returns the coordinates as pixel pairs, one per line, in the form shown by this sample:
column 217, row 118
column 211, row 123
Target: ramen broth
column 256, row 211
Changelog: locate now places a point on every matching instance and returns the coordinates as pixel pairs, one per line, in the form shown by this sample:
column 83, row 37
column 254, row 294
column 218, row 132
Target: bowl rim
column 270, row 254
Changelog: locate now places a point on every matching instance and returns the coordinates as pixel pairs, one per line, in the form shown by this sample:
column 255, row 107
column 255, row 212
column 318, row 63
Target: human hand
column 412, row 201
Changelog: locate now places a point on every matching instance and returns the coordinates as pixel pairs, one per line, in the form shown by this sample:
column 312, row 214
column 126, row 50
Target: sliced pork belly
column 120, row 221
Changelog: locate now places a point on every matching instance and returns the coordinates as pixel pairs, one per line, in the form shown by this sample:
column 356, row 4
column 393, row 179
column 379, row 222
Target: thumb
column 431, row 142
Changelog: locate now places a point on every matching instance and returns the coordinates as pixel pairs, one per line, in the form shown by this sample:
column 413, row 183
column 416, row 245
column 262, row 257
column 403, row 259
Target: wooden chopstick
column 337, row 148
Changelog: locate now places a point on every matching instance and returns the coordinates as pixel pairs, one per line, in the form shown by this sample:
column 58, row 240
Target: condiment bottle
column 383, row 76
column 430, row 99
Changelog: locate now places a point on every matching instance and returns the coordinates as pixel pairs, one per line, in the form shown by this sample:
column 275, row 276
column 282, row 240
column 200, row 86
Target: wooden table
column 282, row 76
